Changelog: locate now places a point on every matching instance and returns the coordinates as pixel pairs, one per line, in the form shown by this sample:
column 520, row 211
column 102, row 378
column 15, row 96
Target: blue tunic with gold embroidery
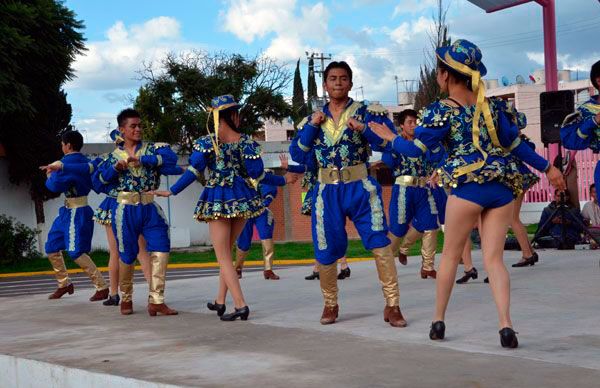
column 479, row 158
column 228, row 192
column 336, row 146
column 581, row 130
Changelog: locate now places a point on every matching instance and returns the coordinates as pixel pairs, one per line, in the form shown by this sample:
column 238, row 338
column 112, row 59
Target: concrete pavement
column 555, row 310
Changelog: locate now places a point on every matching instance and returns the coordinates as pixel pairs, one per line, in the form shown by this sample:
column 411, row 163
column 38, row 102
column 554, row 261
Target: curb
column 186, row 265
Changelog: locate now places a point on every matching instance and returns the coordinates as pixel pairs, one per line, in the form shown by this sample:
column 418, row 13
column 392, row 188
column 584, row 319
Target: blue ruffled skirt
column 237, row 201
column 103, row 214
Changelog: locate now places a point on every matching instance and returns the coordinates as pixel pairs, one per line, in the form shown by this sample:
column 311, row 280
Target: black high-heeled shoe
column 438, row 330
column 219, row 308
column 312, row 276
column 344, row 273
column 526, row 261
column 470, row 274
column 113, row 300
column 242, row 313
column 508, row 338
column 536, row 258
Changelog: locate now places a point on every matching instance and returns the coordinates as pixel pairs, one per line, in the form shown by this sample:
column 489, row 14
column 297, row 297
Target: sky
column 380, row 39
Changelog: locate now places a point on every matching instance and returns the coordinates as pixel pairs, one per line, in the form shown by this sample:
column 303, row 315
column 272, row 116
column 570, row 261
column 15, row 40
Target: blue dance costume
column 228, row 192
column 581, row 130
column 265, row 224
column 345, row 189
column 73, row 229
column 133, row 212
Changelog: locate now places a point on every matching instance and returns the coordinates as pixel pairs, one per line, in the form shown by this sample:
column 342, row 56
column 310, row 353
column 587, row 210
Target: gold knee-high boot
column 268, row 248
column 386, row 269
column 428, row 248
column 61, row 274
column 395, row 243
column 156, row 297
column 240, row 257
column 126, row 287
column 88, row 266
column 329, row 288
column 60, row 270
column 410, row 238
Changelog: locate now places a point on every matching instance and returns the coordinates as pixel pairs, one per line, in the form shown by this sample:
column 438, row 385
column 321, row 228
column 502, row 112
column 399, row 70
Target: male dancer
column 581, row 130
column 73, row 229
column 265, row 223
column 339, row 138
column 135, row 169
column 413, row 211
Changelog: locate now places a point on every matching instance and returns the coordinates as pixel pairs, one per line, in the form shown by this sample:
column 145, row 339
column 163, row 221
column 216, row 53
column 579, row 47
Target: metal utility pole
column 108, row 132
column 397, row 91
column 321, row 57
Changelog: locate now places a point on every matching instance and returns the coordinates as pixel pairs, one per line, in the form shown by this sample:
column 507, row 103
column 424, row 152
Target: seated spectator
column 591, row 210
column 552, row 223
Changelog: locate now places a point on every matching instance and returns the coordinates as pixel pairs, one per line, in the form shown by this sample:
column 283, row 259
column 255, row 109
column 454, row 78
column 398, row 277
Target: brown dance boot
column 99, row 295
column 394, row 316
column 270, row 275
column 402, row 258
column 61, row 291
column 426, row 273
column 161, row 309
column 127, row 308
column 330, row 314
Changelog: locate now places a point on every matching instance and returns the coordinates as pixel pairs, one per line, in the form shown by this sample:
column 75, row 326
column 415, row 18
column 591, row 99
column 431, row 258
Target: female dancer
column 530, row 257
column 476, row 133
column 228, row 199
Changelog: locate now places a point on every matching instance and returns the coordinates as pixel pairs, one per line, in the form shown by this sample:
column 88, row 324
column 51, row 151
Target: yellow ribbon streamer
column 214, row 139
column 482, row 106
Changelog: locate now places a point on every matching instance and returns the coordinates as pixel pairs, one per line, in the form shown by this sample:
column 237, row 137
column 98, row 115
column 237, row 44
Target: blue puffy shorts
column 265, row 225
column 72, row 231
column 412, row 205
column 488, row 195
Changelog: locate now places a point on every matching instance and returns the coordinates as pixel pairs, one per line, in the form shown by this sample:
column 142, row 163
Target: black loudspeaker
column 554, row 107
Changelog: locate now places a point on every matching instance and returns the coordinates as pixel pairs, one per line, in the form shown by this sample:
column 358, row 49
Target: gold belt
column 413, row 181
column 134, row 198
column 75, row 202
column 344, row 174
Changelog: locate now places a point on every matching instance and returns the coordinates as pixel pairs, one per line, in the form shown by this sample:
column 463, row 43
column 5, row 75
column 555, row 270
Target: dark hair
column 458, row 77
column 338, row 65
column 227, row 116
column 592, row 186
column 127, row 114
column 407, row 113
column 73, row 138
column 595, row 73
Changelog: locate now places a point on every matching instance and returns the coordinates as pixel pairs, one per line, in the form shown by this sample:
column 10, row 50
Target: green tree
column 299, row 110
column 428, row 90
column 40, row 39
column 174, row 102
column 311, row 92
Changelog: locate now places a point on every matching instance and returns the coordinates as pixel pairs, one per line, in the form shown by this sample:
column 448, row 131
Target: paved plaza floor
column 555, row 309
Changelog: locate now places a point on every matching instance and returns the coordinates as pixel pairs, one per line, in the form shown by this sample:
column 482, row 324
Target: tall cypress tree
column 312, row 84
column 298, row 105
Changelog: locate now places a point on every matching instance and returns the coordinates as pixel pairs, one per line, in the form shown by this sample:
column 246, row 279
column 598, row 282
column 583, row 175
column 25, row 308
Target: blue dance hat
column 224, row 102
column 462, row 56
column 116, row 137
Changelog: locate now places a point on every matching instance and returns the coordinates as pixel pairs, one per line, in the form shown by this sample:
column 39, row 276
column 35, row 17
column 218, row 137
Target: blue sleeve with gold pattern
column 580, row 130
column 378, row 114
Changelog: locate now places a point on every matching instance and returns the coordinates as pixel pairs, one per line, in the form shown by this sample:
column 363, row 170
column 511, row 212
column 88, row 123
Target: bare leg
column 236, row 229
column 460, row 217
column 343, row 262
column 113, row 261
column 493, row 232
column 519, row 229
column 222, row 236
column 144, row 258
column 467, row 255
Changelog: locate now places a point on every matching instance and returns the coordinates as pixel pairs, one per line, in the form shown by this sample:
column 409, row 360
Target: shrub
column 17, row 241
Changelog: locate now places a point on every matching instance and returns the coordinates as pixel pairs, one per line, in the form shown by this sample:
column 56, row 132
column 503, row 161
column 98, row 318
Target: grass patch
column 289, row 250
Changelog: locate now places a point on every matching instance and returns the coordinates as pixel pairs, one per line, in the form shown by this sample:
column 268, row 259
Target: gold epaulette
column 377, row 110
column 302, row 123
column 161, row 145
